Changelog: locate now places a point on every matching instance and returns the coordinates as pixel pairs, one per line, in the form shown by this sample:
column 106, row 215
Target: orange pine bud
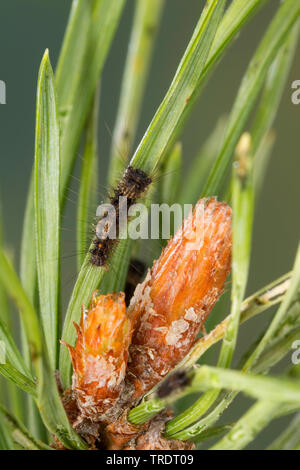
column 172, row 304
column 100, row 356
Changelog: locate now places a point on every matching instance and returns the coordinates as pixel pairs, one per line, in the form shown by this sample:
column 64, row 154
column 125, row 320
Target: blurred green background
column 28, row 27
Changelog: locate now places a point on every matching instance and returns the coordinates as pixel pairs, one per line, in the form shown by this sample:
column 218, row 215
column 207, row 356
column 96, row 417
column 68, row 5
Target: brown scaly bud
column 172, row 304
column 100, row 356
column 149, row 436
column 153, row 439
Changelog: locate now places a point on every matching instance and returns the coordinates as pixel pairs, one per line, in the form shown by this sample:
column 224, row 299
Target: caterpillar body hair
column 132, row 185
column 175, row 382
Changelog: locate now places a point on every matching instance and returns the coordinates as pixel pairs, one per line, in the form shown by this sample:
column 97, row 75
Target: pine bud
column 172, row 304
column 100, row 356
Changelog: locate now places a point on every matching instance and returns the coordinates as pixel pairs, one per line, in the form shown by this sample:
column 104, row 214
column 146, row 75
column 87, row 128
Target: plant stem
column 257, row 303
column 251, row 85
column 90, row 276
column 182, row 92
column 20, row 434
column 202, row 164
column 251, row 423
column 289, row 439
column 270, row 357
column 88, row 179
column 257, row 386
column 253, row 305
column 146, row 22
column 281, row 313
column 243, row 205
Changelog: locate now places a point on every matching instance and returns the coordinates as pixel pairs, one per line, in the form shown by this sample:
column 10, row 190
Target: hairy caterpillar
column 132, row 185
column 174, row 382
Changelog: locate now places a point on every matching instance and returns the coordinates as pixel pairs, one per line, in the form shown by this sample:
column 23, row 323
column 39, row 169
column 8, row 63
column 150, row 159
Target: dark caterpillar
column 132, row 185
column 174, row 382
column 136, row 273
